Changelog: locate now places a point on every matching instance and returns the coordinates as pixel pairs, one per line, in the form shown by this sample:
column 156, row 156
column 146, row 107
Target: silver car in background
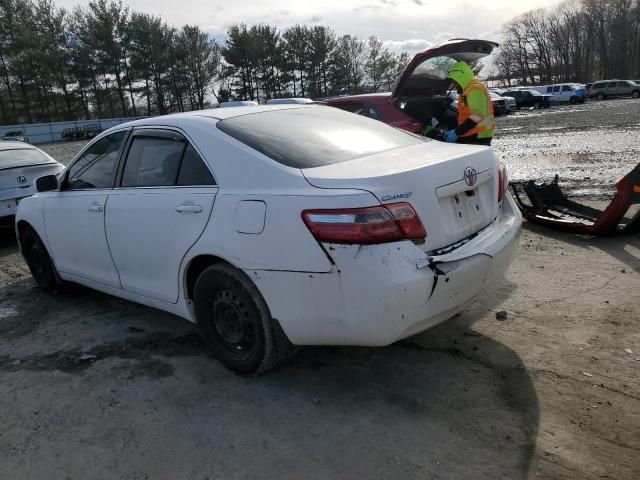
column 21, row 165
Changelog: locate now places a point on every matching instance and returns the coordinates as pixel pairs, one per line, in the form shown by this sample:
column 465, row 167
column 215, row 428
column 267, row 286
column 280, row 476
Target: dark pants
column 474, row 140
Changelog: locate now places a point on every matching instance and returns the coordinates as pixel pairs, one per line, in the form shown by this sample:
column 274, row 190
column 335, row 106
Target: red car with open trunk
column 420, row 92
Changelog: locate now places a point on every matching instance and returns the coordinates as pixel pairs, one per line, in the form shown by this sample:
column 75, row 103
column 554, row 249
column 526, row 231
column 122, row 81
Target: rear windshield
column 22, row 157
column 315, row 136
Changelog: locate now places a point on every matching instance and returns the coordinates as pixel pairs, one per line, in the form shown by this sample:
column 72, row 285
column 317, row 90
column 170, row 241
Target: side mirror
column 47, row 183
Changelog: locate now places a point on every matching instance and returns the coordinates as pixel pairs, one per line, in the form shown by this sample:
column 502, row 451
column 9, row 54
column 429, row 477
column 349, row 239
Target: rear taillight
column 365, row 226
column 503, row 181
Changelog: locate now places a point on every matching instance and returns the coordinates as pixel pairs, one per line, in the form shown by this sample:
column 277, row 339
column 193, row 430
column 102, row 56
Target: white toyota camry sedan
column 274, row 227
column 20, row 165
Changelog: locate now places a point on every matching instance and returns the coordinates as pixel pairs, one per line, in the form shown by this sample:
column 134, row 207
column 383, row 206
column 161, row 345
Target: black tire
column 600, row 96
column 635, row 94
column 234, row 320
column 573, row 100
column 39, row 262
column 537, row 105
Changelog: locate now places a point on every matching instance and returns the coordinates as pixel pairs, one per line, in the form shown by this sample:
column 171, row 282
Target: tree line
column 577, row 41
column 105, row 60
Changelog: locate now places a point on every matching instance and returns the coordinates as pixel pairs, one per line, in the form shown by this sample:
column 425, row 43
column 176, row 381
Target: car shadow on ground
column 615, row 245
column 448, row 403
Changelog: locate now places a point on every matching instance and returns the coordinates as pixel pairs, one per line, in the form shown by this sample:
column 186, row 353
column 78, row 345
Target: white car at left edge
column 21, row 165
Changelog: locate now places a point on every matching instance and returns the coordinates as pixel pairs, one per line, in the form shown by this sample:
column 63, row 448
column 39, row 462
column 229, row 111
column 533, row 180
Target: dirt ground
column 96, row 387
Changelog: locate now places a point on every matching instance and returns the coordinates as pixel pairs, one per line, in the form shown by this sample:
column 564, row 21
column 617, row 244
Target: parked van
column 565, row 92
column 614, row 88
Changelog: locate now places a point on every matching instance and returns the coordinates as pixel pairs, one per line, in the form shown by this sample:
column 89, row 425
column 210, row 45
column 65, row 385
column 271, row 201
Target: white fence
column 52, row 132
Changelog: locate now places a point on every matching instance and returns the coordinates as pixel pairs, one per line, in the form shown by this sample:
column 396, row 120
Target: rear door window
column 193, row 170
column 152, row 162
column 611, row 84
column 163, row 158
column 556, row 89
column 566, row 88
column 549, row 89
column 315, row 136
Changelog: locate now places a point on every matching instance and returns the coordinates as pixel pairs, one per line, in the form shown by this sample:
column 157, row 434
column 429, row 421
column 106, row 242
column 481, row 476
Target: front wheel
column 635, row 94
column 39, row 262
column 234, row 320
column 536, row 105
column 600, row 96
column 573, row 100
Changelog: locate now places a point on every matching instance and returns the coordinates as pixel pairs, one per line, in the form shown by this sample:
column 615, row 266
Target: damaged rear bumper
column 378, row 294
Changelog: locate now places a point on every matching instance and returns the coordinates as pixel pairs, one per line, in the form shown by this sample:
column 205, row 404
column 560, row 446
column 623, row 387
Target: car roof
column 13, row 145
column 178, row 119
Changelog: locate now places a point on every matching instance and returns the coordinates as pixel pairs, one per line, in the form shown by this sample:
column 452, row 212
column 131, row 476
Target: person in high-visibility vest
column 475, row 110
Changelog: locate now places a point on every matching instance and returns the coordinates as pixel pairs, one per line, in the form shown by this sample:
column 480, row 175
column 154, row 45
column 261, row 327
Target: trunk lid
column 24, row 178
column 421, row 78
column 431, row 177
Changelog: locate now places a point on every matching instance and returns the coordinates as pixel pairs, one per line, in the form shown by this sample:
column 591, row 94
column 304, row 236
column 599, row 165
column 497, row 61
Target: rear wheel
column 573, row 100
column 600, row 96
column 39, row 262
column 234, row 320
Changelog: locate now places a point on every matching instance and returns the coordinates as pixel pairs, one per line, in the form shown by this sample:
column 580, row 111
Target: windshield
column 316, row 136
column 22, row 157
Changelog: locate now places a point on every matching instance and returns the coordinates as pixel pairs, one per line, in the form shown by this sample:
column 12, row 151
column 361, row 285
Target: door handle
column 95, row 207
column 189, row 207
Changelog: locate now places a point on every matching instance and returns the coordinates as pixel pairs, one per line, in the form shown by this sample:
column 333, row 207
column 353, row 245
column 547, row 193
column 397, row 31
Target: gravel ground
column 96, row 387
column 590, row 146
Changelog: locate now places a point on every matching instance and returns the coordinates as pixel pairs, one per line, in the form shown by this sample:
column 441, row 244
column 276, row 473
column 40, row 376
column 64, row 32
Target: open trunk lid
column 419, row 77
column 453, row 188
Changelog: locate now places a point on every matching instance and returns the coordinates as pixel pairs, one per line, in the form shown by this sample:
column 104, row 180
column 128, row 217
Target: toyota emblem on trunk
column 22, row 179
column 470, row 176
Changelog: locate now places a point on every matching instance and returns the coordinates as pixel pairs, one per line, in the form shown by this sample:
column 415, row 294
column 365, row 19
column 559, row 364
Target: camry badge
column 470, row 176
column 395, row 196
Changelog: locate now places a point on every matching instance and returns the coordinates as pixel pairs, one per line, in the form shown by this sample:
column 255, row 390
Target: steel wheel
column 234, row 320
column 233, row 324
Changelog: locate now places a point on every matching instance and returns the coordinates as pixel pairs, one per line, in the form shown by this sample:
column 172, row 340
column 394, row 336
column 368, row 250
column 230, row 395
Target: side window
column 556, row 89
column 597, row 85
column 96, row 167
column 624, row 84
column 152, row 162
column 611, row 84
column 193, row 170
column 549, row 89
column 566, row 88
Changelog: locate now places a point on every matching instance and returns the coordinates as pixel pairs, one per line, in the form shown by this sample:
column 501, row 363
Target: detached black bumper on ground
column 547, row 205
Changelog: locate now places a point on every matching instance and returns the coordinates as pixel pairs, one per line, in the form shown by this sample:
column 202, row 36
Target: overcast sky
column 410, row 25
